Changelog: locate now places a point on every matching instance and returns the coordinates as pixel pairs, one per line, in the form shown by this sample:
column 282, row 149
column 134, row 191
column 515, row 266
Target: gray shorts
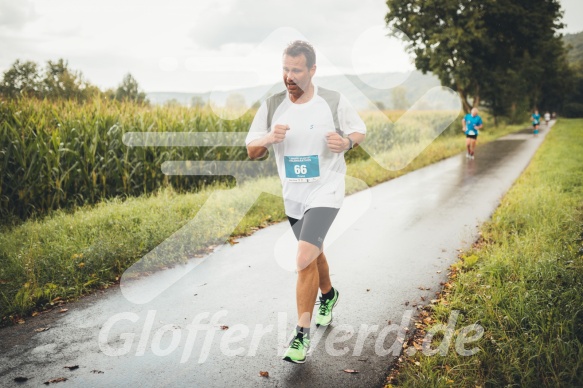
column 314, row 225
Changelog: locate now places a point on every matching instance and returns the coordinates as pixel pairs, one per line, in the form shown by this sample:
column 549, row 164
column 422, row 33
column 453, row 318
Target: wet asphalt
column 231, row 316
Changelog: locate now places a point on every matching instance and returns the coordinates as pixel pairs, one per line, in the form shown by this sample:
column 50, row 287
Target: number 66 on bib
column 302, row 168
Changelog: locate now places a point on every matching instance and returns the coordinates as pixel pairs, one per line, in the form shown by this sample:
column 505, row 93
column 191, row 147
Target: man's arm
column 257, row 148
column 351, row 123
column 357, row 138
column 337, row 143
column 480, row 125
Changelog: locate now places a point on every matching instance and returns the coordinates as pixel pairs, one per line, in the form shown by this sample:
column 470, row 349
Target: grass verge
column 521, row 282
column 65, row 255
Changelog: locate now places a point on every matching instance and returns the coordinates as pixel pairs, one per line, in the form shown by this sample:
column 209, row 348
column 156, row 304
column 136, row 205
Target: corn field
column 64, row 154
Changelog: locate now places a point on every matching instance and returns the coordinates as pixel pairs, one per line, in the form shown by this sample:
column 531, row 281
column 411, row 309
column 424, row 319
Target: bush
column 573, row 109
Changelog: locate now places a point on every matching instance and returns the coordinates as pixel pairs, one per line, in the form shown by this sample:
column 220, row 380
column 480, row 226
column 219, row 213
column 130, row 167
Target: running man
column 309, row 129
column 535, row 121
column 547, row 118
column 471, row 124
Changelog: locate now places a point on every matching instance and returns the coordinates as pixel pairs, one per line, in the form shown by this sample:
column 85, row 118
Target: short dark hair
column 298, row 47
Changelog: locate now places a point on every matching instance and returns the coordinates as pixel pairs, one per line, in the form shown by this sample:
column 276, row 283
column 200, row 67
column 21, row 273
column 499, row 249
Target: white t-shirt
column 309, row 123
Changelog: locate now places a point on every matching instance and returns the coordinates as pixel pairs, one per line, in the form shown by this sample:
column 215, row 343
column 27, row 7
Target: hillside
column 357, row 89
column 574, row 43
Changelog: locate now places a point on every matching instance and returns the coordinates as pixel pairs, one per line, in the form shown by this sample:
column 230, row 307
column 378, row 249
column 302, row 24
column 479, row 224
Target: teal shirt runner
column 471, row 122
column 536, row 118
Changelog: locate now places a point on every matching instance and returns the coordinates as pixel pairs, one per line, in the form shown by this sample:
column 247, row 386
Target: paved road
column 387, row 243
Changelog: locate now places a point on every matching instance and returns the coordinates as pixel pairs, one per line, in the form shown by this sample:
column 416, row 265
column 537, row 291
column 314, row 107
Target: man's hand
column 277, row 134
column 336, row 143
column 258, row 148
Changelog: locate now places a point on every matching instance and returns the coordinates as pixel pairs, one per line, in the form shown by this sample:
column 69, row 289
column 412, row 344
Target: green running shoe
column 298, row 349
column 324, row 317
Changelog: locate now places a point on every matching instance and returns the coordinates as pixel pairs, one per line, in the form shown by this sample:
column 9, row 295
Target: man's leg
column 324, row 274
column 329, row 297
column 473, row 146
column 310, row 232
column 315, row 275
column 308, row 281
column 306, row 292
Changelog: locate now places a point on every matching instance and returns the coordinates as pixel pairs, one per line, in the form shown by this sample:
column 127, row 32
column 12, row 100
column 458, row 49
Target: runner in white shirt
column 309, row 124
column 310, row 129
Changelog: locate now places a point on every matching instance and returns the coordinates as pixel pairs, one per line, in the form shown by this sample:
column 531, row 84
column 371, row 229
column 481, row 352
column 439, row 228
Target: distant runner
column 535, row 121
column 547, row 118
column 309, row 129
column 471, row 124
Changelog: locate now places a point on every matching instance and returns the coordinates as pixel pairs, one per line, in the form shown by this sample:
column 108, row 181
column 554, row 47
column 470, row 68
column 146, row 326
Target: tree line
column 506, row 55
column 56, row 80
column 574, row 104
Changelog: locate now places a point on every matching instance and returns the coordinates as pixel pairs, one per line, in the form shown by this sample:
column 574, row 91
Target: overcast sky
column 196, row 46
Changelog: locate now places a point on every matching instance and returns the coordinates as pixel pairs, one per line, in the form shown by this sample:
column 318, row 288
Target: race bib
column 471, row 132
column 302, row 168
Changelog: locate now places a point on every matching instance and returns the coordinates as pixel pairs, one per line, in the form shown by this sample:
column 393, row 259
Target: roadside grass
column 67, row 254
column 522, row 282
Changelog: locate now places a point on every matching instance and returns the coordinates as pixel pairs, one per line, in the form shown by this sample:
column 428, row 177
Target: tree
column 558, row 78
column 130, row 90
column 109, row 94
column 61, row 82
column 399, row 98
column 172, row 103
column 491, row 49
column 22, row 79
column 235, row 101
column 197, row 102
column 444, row 35
column 378, row 104
column 526, row 55
column 55, row 81
column 573, row 100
